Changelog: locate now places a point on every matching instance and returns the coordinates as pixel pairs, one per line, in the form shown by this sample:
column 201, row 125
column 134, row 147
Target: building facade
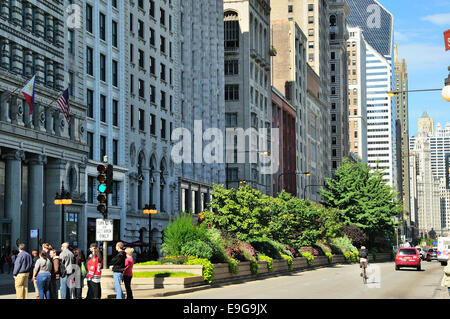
column 202, row 100
column 248, row 93
column 357, row 101
column 340, row 148
column 284, row 118
column 39, row 150
column 289, row 75
column 378, row 32
column 402, row 137
column 312, row 17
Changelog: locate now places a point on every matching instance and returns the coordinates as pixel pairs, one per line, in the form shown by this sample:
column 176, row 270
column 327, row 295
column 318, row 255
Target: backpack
column 83, row 269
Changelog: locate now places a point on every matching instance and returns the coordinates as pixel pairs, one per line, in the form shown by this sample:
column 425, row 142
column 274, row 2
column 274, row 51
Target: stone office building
column 40, row 151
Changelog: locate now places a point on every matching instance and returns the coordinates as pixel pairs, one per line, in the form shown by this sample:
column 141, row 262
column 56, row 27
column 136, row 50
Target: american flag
column 63, row 103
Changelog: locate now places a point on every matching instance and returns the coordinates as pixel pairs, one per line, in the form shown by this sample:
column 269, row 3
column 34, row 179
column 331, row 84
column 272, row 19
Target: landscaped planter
column 300, row 262
column 320, row 261
column 338, row 259
column 280, row 265
column 191, row 269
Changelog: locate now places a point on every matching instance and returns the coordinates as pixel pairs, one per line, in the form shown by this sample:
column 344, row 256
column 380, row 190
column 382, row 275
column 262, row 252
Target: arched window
column 231, row 28
column 332, row 20
column 151, row 181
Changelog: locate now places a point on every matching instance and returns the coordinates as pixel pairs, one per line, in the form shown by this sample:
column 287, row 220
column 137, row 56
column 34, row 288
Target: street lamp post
column 62, row 199
column 292, row 173
column 150, row 210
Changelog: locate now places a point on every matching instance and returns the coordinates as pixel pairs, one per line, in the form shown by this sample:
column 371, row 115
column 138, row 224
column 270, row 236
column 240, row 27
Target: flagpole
column 14, row 92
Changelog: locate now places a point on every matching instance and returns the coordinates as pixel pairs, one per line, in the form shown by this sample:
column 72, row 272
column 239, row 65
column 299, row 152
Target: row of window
column 152, row 123
column 103, row 149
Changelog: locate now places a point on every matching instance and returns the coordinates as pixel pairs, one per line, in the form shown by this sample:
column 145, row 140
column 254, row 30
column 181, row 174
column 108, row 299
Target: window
column 163, row 72
column 141, row 88
column 102, row 29
column 310, row 7
column 152, row 8
column 152, row 94
column 102, row 67
column 132, row 116
column 115, row 113
column 115, row 152
column 115, row 193
column 231, row 92
column 90, row 103
column 102, row 147
column 231, row 26
column 89, row 18
column 152, row 124
column 141, row 59
column 141, row 29
column 162, row 19
column 89, row 61
column 230, row 119
column 91, row 183
column 152, row 65
column 290, row 9
column 162, row 47
column 152, row 37
column 115, row 76
column 141, row 120
column 114, row 34
column 103, row 108
column 71, row 39
column 163, row 99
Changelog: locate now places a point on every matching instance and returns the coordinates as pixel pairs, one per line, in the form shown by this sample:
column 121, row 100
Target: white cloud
column 441, row 19
column 424, row 56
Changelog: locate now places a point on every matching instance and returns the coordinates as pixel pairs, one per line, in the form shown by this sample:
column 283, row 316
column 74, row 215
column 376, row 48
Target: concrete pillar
column 146, row 186
column 54, row 175
column 13, row 183
column 28, row 62
column 4, row 107
column 17, row 56
column 36, row 197
column 49, row 26
column 28, row 16
column 39, row 22
column 156, row 190
column 5, row 54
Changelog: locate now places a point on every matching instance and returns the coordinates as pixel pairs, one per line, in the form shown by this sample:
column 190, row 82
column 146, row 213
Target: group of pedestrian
column 8, row 260
column 65, row 273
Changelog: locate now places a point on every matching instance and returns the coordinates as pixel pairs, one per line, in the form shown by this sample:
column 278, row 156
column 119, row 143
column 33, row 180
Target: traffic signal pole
column 105, row 179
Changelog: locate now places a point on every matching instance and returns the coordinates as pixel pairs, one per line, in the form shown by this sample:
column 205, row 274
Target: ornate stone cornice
column 17, row 155
column 38, row 160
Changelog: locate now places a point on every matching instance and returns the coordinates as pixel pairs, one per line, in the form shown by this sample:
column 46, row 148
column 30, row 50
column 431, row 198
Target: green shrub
column 254, row 266
column 356, row 253
column 181, row 231
column 330, row 257
column 266, row 247
column 232, row 265
column 177, row 260
column 208, row 268
column 347, row 256
column 289, row 260
column 268, row 260
column 161, row 274
column 149, row 263
column 197, row 248
column 309, row 257
column 214, row 236
column 340, row 245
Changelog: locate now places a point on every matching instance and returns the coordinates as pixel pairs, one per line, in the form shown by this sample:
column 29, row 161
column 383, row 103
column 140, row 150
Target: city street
column 339, row 282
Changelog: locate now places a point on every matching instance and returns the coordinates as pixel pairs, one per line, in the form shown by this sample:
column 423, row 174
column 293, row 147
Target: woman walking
column 446, row 280
column 128, row 272
column 42, row 274
column 79, row 261
column 94, row 266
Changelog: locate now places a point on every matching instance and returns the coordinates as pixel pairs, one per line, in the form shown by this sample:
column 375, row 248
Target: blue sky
column 419, row 32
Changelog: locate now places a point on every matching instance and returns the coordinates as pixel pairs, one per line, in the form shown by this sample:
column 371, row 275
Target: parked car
column 407, row 257
column 432, row 254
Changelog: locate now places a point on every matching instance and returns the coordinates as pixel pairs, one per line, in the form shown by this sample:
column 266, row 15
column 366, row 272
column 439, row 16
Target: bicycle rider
column 363, row 260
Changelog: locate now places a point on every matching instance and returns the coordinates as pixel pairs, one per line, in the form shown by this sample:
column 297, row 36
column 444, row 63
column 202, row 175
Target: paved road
column 339, row 282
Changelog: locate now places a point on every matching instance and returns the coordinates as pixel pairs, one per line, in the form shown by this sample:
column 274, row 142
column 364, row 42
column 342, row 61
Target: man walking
column 22, row 267
column 118, row 263
column 67, row 260
column 55, row 275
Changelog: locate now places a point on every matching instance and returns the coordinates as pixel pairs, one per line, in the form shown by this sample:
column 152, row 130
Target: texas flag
column 28, row 92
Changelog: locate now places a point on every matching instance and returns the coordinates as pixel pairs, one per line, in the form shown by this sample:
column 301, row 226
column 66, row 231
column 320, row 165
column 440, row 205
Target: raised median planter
column 222, row 273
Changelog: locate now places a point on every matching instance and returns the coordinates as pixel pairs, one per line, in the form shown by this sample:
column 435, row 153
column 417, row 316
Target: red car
column 407, row 257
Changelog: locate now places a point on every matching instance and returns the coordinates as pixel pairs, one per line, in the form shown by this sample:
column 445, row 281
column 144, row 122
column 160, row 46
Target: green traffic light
column 102, row 188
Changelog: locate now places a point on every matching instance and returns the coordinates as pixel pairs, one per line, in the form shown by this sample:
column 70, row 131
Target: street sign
column 447, row 40
column 34, row 233
column 104, row 230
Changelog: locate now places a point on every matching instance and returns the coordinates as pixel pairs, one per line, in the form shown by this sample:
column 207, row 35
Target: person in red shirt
column 128, row 272
column 94, row 268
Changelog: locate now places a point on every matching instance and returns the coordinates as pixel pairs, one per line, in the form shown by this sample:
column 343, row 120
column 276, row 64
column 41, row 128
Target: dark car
column 432, row 254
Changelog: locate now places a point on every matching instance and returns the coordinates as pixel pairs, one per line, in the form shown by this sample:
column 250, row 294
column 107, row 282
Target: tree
column 363, row 198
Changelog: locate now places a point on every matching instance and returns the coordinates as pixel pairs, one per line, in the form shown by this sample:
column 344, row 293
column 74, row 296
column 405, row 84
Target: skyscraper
column 402, row 135
column 356, row 51
column 377, row 25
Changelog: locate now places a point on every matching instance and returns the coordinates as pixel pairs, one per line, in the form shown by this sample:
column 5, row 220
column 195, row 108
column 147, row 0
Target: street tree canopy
column 363, row 198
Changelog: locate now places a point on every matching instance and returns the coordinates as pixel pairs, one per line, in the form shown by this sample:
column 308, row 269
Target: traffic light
column 102, row 197
column 109, row 179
